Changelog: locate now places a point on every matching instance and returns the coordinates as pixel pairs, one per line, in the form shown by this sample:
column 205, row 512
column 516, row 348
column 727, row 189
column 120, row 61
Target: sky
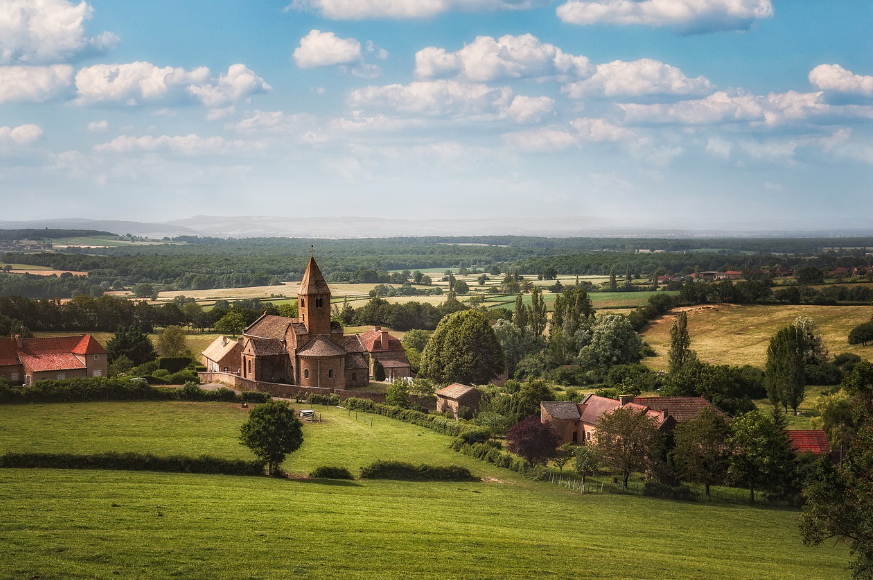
column 743, row 114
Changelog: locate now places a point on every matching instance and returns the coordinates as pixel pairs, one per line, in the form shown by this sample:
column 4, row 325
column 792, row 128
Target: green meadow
column 59, row 524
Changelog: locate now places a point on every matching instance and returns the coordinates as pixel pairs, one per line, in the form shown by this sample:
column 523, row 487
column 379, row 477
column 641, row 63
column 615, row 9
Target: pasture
column 738, row 334
column 59, row 524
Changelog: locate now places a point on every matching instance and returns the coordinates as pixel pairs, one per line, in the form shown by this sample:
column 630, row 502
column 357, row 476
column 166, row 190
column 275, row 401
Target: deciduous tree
column 272, row 431
column 701, row 453
column 680, row 344
column 783, row 371
column 463, row 349
column 627, row 441
column 534, row 441
column 587, row 462
column 173, row 342
column 762, row 457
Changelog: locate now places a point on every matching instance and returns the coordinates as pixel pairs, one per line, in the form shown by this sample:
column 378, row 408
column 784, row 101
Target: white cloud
column 636, row 79
column 359, row 9
column 600, row 130
column 142, row 82
column 34, row 83
column 434, row 98
column 682, row 15
column 45, row 31
column 529, row 109
column 487, row 59
column 380, row 52
column 718, row 147
column 325, row 49
column 833, row 77
column 98, row 126
column 544, row 139
column 181, row 144
column 21, row 135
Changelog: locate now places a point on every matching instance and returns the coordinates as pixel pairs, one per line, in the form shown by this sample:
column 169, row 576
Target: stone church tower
column 314, row 301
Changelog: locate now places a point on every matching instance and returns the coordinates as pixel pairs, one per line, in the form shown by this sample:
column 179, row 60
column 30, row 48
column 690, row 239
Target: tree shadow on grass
column 330, row 482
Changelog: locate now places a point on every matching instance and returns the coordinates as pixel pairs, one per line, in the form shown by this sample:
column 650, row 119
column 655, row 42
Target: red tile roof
column 81, row 344
column 454, row 391
column 321, row 347
column 594, row 406
column 269, row 326
column 808, row 441
column 680, row 408
column 8, row 352
column 378, row 340
column 51, row 362
column 88, row 345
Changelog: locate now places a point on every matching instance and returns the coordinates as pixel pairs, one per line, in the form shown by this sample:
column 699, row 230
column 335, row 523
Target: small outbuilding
column 455, row 396
column 223, row 356
column 814, row 441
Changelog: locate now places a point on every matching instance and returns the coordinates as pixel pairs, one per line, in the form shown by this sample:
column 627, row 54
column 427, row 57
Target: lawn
column 90, row 524
column 738, row 335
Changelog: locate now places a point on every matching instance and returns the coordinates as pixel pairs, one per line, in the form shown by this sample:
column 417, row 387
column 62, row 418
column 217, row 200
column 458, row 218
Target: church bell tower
column 313, row 300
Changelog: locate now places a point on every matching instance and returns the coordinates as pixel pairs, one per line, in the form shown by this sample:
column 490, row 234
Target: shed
column 455, row 396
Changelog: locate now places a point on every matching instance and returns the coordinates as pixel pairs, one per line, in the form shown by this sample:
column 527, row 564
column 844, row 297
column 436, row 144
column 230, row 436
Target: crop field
column 738, row 335
column 98, row 242
column 69, row 524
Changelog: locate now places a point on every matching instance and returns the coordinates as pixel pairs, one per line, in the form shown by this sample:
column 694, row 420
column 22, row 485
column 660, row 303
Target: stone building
column 455, row 396
column 27, row 360
column 223, row 356
column 389, row 351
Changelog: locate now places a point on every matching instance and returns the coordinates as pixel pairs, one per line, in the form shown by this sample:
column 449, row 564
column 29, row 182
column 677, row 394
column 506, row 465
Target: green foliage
column 463, row 349
column 231, row 323
column 433, row 422
column 415, row 338
column 132, row 462
column 408, row 472
column 700, row 453
column 174, row 364
column 762, row 457
column 272, row 431
column 680, row 344
column 133, row 343
column 516, row 343
column 784, row 370
column 172, row 342
column 330, row 472
column 730, row 388
column 613, row 342
column 398, row 394
column 628, row 441
column 529, row 396
column 586, row 462
column 861, row 334
column 378, row 370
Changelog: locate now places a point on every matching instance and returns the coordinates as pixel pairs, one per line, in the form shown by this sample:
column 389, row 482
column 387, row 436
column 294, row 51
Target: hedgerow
column 408, row 472
column 133, row 462
column 433, row 422
column 330, row 472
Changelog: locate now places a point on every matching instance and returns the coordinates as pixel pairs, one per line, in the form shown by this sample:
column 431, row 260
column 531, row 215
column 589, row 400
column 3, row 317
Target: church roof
column 356, row 360
column 313, row 282
column 267, row 346
column 321, row 347
column 352, row 343
column 269, row 326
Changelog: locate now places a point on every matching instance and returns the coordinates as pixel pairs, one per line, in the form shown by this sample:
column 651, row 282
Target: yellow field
column 738, row 335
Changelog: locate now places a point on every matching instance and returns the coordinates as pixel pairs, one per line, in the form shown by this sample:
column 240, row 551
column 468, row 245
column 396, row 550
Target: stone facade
column 27, row 360
column 455, row 396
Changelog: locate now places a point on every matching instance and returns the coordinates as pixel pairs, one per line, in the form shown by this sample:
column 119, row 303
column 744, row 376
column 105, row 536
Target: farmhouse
column 223, row 355
column 576, row 422
column 814, row 441
column 27, row 360
column 455, row 396
column 388, row 351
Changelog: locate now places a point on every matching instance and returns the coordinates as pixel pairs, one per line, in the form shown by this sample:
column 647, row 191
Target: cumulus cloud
column 325, row 49
column 690, row 16
column 434, row 98
column 143, row 82
column 487, row 59
column 402, row 9
column 529, row 109
column 638, row 78
column 544, row 139
column 34, row 84
column 180, row 144
column 46, row 31
column 98, row 126
column 600, row 130
column 833, row 77
column 20, row 135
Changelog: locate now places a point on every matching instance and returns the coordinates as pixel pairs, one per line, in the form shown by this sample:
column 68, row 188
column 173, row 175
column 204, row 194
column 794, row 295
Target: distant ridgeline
column 49, row 234
column 196, row 263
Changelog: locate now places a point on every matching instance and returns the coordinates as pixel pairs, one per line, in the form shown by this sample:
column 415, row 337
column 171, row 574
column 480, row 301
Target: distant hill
column 46, row 233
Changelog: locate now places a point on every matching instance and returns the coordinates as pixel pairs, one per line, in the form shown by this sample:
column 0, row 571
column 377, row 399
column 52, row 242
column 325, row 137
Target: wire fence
column 716, row 494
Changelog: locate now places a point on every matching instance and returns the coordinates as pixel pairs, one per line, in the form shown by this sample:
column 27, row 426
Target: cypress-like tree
column 613, row 286
column 783, row 373
column 537, row 312
column 680, row 344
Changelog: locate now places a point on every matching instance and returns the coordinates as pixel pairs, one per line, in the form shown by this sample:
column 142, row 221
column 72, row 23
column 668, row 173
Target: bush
column 433, row 422
column 255, row 396
column 174, row 364
column 475, row 435
column 329, row 472
column 408, row 472
column 330, row 400
column 133, row 462
column 822, row 374
column 660, row 490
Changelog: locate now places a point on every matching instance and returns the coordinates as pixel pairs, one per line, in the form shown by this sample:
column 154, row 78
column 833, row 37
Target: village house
column 456, row 396
column 576, row 422
column 814, row 441
column 223, row 356
column 388, row 351
column 27, row 360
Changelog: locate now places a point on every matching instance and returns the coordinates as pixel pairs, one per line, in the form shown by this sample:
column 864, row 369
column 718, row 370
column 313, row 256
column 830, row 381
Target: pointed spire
column 313, row 282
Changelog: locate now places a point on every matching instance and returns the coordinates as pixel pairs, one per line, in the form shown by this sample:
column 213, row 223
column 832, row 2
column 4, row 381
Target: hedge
column 408, row 472
column 330, row 472
column 133, row 462
column 491, row 453
column 433, row 422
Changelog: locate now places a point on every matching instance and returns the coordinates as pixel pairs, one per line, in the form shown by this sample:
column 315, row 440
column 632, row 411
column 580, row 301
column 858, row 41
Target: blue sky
column 744, row 114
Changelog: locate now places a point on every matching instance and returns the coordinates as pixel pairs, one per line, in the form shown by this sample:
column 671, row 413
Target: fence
column 719, row 494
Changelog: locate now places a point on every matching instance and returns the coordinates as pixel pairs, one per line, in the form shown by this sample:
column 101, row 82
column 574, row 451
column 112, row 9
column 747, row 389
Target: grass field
column 738, row 335
column 57, row 524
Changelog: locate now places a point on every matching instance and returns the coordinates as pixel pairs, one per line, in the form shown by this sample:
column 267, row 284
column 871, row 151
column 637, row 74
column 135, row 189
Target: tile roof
column 59, row 346
column 220, row 348
column 561, row 409
column 454, row 391
column 394, row 364
column 378, row 340
column 313, row 282
column 352, row 343
column 321, row 347
column 51, row 362
column 808, row 441
column 8, row 352
column 594, row 406
column 89, row 345
column 680, row 408
column 266, row 346
column 356, row 360
column 268, row 326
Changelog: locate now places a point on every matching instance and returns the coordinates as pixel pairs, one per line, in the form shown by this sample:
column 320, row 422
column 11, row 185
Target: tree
column 680, row 344
column 861, row 334
column 172, row 342
column 416, row 339
column 537, row 312
column 533, row 440
column 231, row 323
column 272, row 431
column 461, row 287
column 762, row 457
column 143, row 290
column 613, row 285
column 587, row 462
column 397, row 394
column 814, row 350
column 783, row 371
column 463, row 349
column 701, row 453
column 520, row 316
column 133, row 343
column 627, row 441
column 613, row 342
column 528, row 398
column 378, row 371
column 563, row 455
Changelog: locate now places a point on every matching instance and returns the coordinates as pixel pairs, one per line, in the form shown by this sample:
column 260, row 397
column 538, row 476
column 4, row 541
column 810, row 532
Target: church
column 311, row 350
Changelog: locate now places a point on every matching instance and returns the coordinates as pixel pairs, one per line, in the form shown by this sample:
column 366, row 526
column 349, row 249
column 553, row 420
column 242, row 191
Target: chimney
column 384, row 340
column 377, row 328
column 223, row 340
column 625, row 399
column 19, row 341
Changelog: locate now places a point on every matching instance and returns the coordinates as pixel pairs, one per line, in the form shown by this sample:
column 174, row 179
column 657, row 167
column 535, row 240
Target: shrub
column 433, row 422
column 408, row 472
column 330, row 472
column 475, row 435
column 316, row 399
column 174, row 364
column 133, row 462
column 255, row 396
column 660, row 490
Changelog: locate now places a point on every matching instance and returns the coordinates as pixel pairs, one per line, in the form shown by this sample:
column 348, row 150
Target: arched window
column 318, row 302
column 305, row 373
column 330, row 373
column 302, row 302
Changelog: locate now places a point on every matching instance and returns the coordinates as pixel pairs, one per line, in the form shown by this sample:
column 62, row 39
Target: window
column 61, row 376
column 98, row 373
column 305, row 373
column 354, row 376
column 330, row 373
column 302, row 302
column 318, row 302
column 96, row 357
column 250, row 366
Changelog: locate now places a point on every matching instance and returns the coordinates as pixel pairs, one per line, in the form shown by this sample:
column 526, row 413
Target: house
column 311, row 350
column 577, row 422
column 389, row 351
column 27, row 360
column 455, row 396
column 814, row 441
column 223, row 355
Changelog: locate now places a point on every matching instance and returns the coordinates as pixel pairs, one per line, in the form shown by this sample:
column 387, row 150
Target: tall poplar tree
column 680, row 344
column 783, row 373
